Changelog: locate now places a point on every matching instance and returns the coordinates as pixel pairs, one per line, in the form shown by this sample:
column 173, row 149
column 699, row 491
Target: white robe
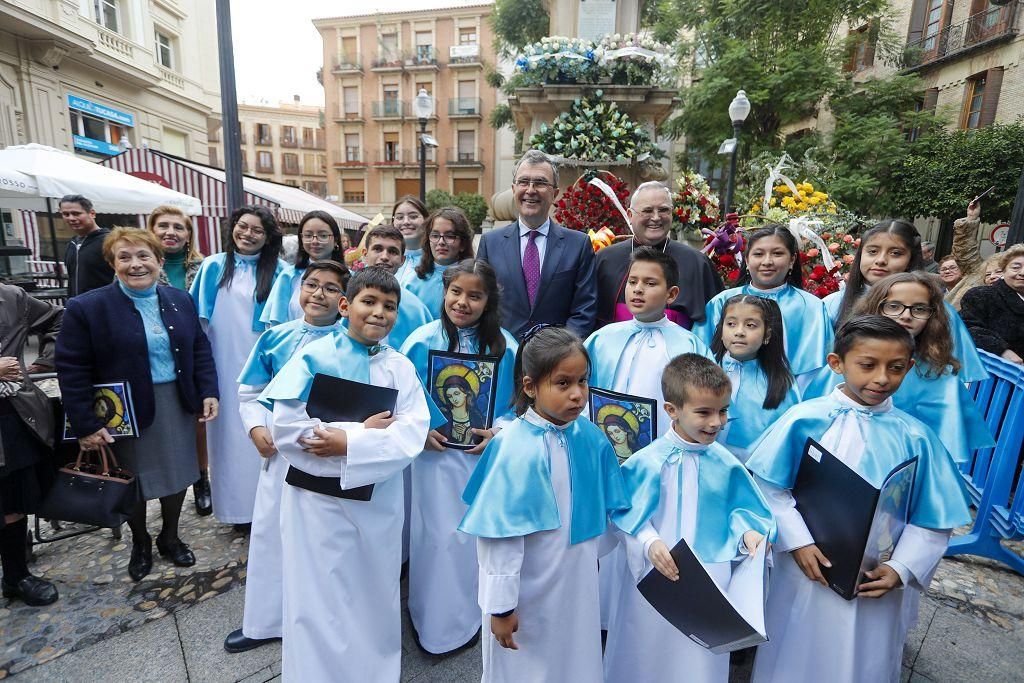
column 642, row 645
column 342, row 558
column 263, row 602
column 638, row 374
column 551, row 585
column 234, row 461
column 814, row 634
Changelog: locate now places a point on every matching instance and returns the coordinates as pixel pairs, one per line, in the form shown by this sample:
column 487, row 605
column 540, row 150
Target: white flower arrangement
column 594, row 130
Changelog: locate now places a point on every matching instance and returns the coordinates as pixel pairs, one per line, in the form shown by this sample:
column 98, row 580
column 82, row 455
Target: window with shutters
column 470, row 185
column 467, row 35
column 290, row 162
column 349, row 52
column 390, row 146
column 467, row 145
column 350, row 100
column 972, row 103
column 264, row 162
column 404, row 186
column 860, row 48
column 352, row 149
column 933, row 24
column 262, row 133
column 353, row 190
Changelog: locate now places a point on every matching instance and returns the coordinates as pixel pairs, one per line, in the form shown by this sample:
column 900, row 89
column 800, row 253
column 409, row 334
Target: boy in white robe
column 342, row 557
column 815, row 634
column 682, row 486
column 322, row 286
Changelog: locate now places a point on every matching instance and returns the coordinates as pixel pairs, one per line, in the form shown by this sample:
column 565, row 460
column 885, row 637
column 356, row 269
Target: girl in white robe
column 230, row 291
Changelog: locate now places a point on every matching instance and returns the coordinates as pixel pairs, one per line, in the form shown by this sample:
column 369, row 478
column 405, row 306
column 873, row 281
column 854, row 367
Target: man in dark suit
column 546, row 272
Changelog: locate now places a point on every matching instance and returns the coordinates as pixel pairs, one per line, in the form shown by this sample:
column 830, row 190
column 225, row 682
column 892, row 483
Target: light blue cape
column 510, row 493
column 748, row 418
column 607, row 345
column 430, row 290
column 275, row 347
column 336, row 354
column 206, row 285
column 939, row 500
column 808, row 330
column 280, row 299
column 728, row 501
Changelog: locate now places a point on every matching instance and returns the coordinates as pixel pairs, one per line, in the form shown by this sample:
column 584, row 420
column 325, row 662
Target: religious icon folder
column 720, row 620
column 112, row 404
column 855, row 525
column 332, row 399
column 464, row 387
column 629, row 422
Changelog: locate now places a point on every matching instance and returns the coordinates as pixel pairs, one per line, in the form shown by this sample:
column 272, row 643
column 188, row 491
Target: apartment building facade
column 284, row 143
column 374, row 66
column 96, row 76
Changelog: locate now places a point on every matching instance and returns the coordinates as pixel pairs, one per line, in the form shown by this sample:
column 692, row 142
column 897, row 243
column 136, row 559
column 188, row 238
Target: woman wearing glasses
column 449, row 240
column 319, row 240
column 231, row 292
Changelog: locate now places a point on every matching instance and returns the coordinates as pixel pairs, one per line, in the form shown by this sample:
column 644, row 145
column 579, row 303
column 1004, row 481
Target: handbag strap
column 109, row 461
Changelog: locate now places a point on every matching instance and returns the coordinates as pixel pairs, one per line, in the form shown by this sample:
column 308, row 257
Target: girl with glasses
column 409, row 215
column 319, row 240
column 449, row 240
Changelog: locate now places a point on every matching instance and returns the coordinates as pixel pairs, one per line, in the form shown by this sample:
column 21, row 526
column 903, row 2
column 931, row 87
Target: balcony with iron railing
column 995, row 24
column 401, row 157
column 423, row 57
column 347, row 64
column 351, row 112
column 464, row 56
column 352, row 157
column 390, row 109
column 468, row 107
column 465, row 156
column 387, row 60
column 289, row 141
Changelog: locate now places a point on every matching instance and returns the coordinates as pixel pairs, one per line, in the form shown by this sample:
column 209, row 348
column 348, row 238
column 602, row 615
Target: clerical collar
column 542, row 230
column 847, row 402
column 664, row 244
column 679, row 442
column 534, row 418
column 771, row 290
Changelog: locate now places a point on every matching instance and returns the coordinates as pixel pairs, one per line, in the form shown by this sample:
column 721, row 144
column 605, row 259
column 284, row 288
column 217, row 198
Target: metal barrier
column 993, row 475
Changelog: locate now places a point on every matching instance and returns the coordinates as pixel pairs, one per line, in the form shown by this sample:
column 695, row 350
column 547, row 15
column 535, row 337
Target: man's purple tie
column 531, row 267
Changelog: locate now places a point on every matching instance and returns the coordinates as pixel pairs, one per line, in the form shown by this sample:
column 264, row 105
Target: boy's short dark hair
column 376, row 278
column 871, row 327
column 86, row 204
column 386, row 232
column 692, row 371
column 667, row 263
column 330, row 266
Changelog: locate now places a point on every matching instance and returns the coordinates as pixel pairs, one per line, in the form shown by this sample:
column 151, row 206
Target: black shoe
column 32, row 591
column 202, row 495
column 142, row 559
column 176, row 551
column 237, row 642
column 243, row 529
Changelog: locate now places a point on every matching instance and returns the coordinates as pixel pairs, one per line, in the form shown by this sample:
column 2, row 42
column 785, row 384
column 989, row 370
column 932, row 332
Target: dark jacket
column 103, row 340
column 20, row 316
column 994, row 314
column 87, row 269
column 568, row 291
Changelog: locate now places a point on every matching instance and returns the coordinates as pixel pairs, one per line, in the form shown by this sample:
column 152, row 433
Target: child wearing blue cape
column 628, row 357
column 442, row 560
column 763, row 387
column 341, row 556
column 539, row 501
column 319, row 240
column 933, row 391
column 682, row 486
column 449, row 240
column 323, row 285
column 772, row 270
column 385, row 248
column 886, row 248
column 814, row 633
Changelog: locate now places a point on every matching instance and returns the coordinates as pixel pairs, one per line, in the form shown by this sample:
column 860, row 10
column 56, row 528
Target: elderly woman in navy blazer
column 148, row 335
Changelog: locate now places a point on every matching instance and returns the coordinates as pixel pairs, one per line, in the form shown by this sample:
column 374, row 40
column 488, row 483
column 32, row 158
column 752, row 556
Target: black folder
column 701, row 610
column 854, row 524
column 332, row 399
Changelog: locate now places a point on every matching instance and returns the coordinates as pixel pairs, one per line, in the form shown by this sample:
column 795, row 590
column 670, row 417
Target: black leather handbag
column 93, row 490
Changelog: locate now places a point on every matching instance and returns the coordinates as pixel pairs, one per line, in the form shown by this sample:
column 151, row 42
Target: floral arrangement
column 819, row 279
column 584, row 206
column 806, row 200
column 695, row 205
column 634, row 59
column 557, row 59
column 724, row 247
column 594, row 130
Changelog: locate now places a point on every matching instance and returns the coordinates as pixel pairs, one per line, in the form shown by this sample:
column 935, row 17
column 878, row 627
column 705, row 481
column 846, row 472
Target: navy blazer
column 103, row 339
column 568, row 289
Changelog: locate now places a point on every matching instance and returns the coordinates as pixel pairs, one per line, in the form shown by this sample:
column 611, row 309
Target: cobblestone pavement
column 971, row 624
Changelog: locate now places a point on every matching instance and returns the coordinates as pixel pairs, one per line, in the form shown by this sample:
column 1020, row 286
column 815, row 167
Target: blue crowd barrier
column 993, row 475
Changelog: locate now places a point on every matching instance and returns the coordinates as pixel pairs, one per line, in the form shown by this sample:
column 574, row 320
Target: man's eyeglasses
column 328, row 289
column 446, row 237
column 894, row 309
column 524, row 183
column 661, row 211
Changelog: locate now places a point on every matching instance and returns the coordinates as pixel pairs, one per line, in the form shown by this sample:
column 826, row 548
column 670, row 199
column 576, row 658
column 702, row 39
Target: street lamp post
column 424, row 106
column 739, row 109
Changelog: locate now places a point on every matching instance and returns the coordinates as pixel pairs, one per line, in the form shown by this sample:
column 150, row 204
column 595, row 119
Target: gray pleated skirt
column 164, row 457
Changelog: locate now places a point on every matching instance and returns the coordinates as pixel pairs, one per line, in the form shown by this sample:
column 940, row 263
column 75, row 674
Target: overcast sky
column 277, row 50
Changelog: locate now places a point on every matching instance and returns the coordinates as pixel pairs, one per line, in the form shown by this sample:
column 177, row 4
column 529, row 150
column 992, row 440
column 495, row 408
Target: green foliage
column 517, row 23
column 501, row 116
column 662, row 20
column 944, row 169
column 494, row 78
column 439, row 198
column 473, row 205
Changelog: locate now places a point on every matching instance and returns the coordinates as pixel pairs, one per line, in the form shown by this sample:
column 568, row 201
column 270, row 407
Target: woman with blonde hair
column 178, row 238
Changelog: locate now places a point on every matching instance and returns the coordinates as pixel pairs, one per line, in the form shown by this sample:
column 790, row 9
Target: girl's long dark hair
column 302, row 256
column 458, row 219
column 795, row 277
column 492, row 341
column 266, row 266
column 902, row 230
column 771, row 355
column 543, row 348
column 934, row 344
